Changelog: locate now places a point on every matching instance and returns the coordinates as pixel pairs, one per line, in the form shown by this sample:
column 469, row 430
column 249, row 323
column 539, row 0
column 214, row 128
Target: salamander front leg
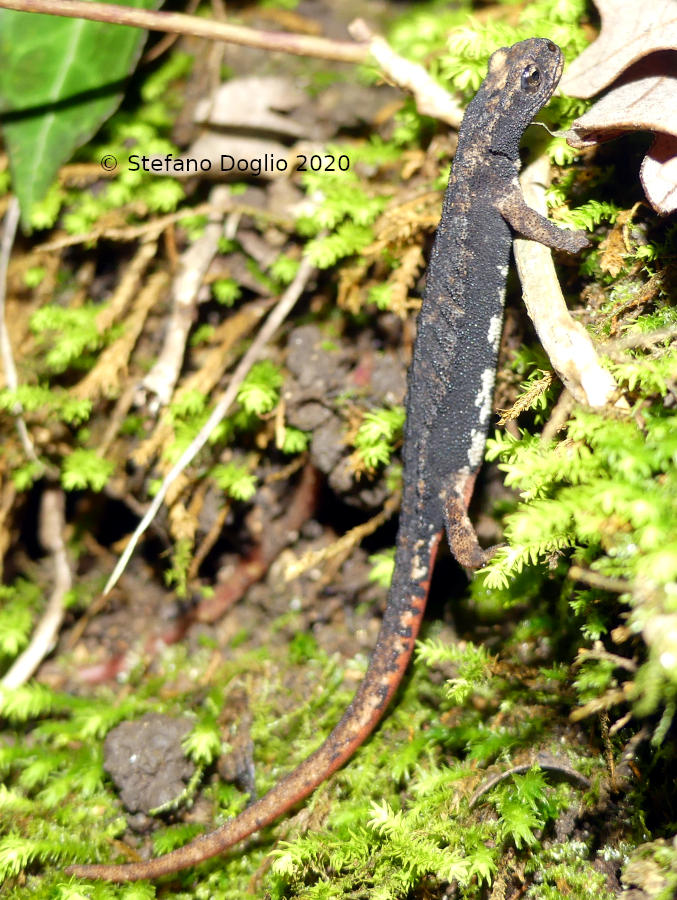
column 461, row 532
column 531, row 224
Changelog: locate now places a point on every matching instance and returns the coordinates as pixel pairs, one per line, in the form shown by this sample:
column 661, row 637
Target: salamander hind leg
column 461, row 532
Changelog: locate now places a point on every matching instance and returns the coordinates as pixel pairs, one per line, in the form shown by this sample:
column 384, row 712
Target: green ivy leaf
column 60, row 79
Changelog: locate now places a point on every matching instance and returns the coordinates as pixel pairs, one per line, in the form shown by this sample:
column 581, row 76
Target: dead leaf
column 659, row 174
column 255, row 103
column 638, row 43
column 642, row 100
column 614, row 247
column 234, row 156
column 246, row 123
column 630, row 31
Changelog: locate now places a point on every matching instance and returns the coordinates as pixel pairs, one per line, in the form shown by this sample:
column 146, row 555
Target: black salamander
column 449, row 403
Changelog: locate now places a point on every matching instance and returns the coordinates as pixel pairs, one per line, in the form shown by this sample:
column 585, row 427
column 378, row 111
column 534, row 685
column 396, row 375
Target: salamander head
column 520, row 81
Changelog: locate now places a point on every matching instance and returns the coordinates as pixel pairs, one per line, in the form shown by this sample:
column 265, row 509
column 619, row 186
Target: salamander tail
column 388, row 663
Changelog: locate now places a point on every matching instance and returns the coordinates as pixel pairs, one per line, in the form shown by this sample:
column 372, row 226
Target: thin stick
column 639, row 339
column 185, row 290
column 179, row 23
column 155, row 227
column 544, row 761
column 8, row 367
column 566, row 342
column 52, row 526
column 344, row 544
column 431, row 99
column 270, row 326
column 168, row 40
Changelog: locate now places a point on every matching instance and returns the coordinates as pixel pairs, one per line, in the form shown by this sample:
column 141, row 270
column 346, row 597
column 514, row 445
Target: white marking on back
column 476, row 448
column 484, row 395
column 418, row 571
column 494, row 333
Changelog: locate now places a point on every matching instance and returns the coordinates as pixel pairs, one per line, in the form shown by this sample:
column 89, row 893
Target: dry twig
column 431, row 99
column 544, row 761
column 270, row 326
column 152, row 229
column 566, row 342
column 180, row 23
column 235, row 328
column 344, row 545
column 193, row 266
column 52, row 526
column 8, row 367
column 104, row 379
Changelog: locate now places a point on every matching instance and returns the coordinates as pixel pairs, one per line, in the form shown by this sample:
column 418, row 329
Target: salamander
column 449, row 403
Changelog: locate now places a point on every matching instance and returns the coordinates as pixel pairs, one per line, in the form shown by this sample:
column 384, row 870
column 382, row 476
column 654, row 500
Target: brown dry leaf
column 246, row 122
column 183, row 525
column 630, row 31
column 659, row 173
column 614, row 247
column 254, row 102
column 637, row 41
column 403, row 279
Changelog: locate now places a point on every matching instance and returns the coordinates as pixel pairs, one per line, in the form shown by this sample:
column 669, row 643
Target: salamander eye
column 531, row 79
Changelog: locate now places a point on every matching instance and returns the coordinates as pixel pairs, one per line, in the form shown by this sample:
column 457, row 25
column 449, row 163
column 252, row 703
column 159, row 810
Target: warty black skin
column 451, row 378
column 448, row 407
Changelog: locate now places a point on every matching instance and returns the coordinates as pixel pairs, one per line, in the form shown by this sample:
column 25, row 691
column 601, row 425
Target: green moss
column 397, row 821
